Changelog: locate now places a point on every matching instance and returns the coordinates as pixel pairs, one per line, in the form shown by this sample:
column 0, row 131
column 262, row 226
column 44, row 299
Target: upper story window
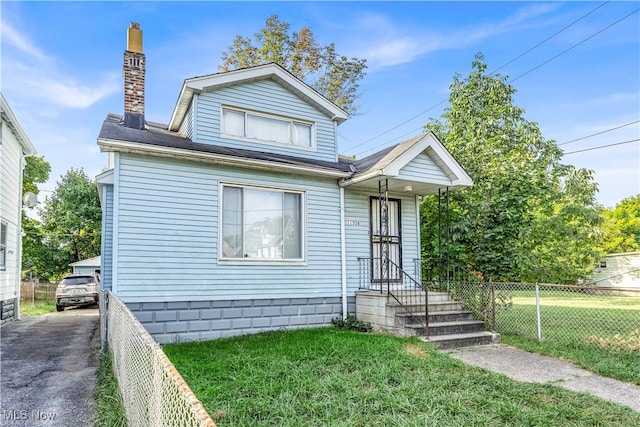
column 3, row 246
column 267, row 128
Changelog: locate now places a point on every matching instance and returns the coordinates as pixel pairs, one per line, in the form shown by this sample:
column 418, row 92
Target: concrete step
column 417, row 298
column 436, row 316
column 434, row 307
column 463, row 340
column 449, row 328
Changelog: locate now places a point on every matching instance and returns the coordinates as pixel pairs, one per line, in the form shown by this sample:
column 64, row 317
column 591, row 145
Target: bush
column 351, row 323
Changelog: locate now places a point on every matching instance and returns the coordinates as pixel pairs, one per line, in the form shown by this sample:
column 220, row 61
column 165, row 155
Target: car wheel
column 59, row 307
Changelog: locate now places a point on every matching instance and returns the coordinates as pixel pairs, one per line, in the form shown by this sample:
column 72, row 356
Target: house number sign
column 352, row 222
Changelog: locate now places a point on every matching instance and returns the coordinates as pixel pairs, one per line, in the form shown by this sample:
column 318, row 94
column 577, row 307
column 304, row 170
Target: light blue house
column 239, row 216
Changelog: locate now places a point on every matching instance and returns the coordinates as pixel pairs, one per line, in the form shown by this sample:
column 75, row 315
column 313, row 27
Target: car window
column 69, row 281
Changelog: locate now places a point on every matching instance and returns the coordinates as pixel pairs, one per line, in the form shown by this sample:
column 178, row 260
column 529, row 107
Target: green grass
column 596, row 332
column 109, row 411
column 28, row 308
column 326, row 376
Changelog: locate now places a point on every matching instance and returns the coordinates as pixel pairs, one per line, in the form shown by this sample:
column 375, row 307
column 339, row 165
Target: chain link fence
column 559, row 313
column 153, row 391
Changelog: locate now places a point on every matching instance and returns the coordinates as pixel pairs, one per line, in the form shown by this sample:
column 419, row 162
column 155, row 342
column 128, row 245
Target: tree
column 334, row 76
column 36, row 172
column 622, row 226
column 71, row 227
column 517, row 178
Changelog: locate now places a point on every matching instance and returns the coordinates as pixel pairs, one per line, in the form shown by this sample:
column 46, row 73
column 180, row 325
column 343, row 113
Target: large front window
column 261, row 224
column 3, row 246
column 263, row 127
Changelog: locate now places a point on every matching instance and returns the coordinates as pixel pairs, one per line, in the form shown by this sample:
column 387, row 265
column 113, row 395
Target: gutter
column 160, row 151
column 343, row 256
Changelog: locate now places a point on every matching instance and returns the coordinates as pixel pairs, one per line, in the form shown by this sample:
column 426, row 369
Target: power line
column 574, row 46
column 603, row 146
column 510, row 81
column 599, row 133
column 550, row 37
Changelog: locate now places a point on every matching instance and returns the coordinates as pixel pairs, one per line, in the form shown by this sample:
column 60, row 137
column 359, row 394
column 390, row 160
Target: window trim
column 4, row 231
column 290, row 120
column 263, row 261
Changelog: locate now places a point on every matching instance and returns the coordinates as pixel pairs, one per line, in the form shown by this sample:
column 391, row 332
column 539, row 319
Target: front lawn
column 322, row 377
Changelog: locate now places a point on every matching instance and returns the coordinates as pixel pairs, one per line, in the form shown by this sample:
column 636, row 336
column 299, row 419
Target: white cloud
column 14, row 38
column 30, row 72
column 393, row 44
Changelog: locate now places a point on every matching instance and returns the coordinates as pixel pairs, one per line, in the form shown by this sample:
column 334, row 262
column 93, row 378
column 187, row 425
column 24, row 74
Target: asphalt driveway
column 48, row 368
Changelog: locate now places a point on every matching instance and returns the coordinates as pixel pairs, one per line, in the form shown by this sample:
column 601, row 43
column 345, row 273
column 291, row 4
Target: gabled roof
column 8, row 116
column 157, row 140
column 270, row 71
column 388, row 163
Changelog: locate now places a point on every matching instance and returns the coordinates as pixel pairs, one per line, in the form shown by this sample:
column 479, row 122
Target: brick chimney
column 133, row 71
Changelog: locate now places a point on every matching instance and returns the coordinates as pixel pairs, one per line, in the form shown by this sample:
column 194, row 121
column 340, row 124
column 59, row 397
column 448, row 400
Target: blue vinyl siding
column 424, row 169
column 106, row 262
column 268, row 97
column 358, row 241
column 168, row 235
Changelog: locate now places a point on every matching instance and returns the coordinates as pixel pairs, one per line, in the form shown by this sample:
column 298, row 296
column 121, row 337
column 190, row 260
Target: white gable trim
column 431, row 146
column 271, row 71
column 13, row 123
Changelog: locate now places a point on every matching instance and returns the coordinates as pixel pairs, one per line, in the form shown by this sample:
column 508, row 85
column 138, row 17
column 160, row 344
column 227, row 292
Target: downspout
column 343, row 255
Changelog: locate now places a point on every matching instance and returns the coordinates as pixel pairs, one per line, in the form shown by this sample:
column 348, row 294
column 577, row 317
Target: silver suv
column 77, row 289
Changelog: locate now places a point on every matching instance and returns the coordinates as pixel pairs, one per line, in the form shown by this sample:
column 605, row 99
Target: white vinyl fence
column 153, row 391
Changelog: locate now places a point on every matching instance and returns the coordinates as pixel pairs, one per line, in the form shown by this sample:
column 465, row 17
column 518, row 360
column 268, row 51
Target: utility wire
column 599, row 133
column 602, row 146
column 573, row 47
column 550, row 37
column 510, row 81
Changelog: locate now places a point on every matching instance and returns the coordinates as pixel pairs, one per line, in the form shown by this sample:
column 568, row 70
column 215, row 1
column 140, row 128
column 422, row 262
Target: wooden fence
column 37, row 291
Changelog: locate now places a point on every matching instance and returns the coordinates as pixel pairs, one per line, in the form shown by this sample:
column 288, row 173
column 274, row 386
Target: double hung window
column 263, row 127
column 261, row 224
column 3, row 246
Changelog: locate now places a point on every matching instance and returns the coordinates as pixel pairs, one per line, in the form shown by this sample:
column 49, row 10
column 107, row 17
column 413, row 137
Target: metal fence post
column 493, row 308
column 538, row 313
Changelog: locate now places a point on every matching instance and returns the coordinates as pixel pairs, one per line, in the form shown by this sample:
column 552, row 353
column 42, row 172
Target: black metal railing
column 412, row 296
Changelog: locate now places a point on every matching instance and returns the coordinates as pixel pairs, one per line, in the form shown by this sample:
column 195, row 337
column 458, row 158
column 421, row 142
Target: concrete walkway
column 534, row 368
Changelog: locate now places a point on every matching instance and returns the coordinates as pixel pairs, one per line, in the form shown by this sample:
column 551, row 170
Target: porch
column 399, row 304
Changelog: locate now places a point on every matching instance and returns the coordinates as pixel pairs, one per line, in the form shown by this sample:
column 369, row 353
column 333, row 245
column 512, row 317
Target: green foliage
column 334, row 76
column 36, row 171
column 499, row 225
column 622, row 226
column 37, row 308
column 70, row 229
column 351, row 323
column 109, row 409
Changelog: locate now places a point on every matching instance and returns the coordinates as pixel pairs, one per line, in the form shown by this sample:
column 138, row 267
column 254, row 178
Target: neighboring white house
column 14, row 147
column 86, row 266
column 239, row 216
column 620, row 270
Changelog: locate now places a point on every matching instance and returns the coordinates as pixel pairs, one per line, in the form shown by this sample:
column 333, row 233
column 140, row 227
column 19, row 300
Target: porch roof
column 420, row 165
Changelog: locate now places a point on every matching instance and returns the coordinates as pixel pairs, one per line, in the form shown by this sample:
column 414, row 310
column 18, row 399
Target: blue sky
column 61, row 68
